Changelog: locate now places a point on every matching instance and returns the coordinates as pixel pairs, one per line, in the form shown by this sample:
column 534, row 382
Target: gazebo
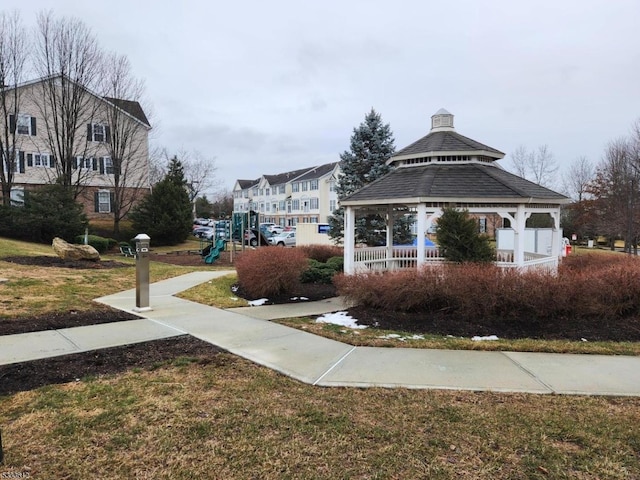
column 446, row 169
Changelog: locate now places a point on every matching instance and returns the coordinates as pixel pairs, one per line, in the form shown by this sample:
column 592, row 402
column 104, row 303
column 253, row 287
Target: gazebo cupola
column 442, row 121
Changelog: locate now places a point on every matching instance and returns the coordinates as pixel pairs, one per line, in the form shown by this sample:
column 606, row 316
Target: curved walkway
column 321, row 361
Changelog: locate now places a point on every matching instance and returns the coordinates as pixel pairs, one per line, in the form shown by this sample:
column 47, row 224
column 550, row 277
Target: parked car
column 270, row 227
column 251, row 238
column 203, row 232
column 284, row 239
column 205, row 222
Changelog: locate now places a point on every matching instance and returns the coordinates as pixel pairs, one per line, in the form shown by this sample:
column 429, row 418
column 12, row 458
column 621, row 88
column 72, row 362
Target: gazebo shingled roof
column 455, row 182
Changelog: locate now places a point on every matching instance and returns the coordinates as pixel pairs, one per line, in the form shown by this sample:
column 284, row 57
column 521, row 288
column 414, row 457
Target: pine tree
column 460, row 240
column 166, row 215
column 371, row 145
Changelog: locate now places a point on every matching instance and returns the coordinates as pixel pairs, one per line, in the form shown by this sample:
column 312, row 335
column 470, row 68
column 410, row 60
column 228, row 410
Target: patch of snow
column 257, row 303
column 484, row 339
column 402, row 338
column 234, row 288
column 584, row 339
column 299, row 298
column 235, row 299
column 339, row 318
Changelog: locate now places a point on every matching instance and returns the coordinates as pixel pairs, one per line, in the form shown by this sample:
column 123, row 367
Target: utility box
column 142, row 244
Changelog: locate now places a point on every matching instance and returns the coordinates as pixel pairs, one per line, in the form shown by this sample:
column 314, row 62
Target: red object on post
column 567, row 249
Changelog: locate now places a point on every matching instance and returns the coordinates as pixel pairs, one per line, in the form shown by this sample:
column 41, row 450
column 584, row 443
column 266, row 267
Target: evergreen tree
column 166, row 215
column 459, row 238
column 371, row 145
column 49, row 212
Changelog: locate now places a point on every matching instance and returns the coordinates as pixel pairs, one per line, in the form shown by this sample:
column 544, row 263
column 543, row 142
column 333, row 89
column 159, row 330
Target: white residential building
column 307, row 195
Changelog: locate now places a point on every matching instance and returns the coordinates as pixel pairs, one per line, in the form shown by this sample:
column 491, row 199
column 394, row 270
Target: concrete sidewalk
column 320, row 361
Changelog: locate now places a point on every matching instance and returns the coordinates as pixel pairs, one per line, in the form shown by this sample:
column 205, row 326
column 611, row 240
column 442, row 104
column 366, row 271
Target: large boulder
column 68, row 251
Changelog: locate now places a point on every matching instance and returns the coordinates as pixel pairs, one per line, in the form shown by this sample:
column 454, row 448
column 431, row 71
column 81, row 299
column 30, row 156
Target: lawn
column 219, row 416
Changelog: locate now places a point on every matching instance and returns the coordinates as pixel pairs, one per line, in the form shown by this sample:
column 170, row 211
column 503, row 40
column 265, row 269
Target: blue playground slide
column 214, row 250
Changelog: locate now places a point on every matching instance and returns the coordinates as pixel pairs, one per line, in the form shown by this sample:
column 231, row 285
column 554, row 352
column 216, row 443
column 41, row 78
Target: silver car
column 284, row 239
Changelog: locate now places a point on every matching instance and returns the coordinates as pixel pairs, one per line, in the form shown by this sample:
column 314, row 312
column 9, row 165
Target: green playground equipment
column 211, row 252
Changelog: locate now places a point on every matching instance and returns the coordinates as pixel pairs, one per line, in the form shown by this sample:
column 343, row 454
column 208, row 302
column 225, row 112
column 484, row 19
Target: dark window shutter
column 75, row 162
column 94, row 161
column 29, row 160
column 96, row 201
column 107, row 134
column 52, row 161
column 89, row 132
column 12, row 123
column 101, row 164
column 112, row 201
column 21, row 162
column 33, row 126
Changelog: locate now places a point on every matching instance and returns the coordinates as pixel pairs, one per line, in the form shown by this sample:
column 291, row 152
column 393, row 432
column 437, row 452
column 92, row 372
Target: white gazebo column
column 349, row 240
column 518, row 244
column 390, row 237
column 422, row 228
column 556, row 240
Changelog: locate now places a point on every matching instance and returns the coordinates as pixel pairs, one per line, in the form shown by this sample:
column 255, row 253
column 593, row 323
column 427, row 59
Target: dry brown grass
column 233, row 419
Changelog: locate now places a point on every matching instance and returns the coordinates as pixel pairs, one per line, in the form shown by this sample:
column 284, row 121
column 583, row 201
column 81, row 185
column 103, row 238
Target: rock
column 68, row 251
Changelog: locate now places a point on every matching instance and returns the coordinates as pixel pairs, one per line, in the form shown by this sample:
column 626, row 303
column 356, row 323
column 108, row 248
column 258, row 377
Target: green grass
column 215, row 293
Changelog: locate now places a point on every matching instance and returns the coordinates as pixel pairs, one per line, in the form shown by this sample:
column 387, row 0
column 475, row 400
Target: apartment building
column 110, row 145
column 307, row 195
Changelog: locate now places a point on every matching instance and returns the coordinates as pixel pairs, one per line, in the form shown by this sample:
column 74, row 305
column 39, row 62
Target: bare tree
column 538, row 166
column 126, row 143
column 199, row 172
column 69, row 60
column 581, row 173
column 13, row 58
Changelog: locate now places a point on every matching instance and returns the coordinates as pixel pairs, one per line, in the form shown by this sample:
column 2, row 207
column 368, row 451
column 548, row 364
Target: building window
column 267, row 192
column 38, row 160
column 282, row 205
column 82, row 162
column 24, row 124
column 332, row 186
column 295, row 204
column 282, row 189
column 295, row 187
column 314, row 204
column 483, row 225
column 313, row 220
column 97, row 132
column 313, row 185
column 332, row 206
column 108, row 166
column 17, row 196
column 103, row 201
column 305, row 186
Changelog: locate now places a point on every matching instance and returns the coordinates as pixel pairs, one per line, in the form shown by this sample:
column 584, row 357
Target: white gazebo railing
column 377, row 259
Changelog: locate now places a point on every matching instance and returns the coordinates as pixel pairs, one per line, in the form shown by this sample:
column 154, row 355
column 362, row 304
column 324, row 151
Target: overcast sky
column 270, row 86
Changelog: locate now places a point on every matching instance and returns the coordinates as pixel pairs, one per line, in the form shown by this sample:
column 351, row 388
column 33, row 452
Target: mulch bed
column 25, row 376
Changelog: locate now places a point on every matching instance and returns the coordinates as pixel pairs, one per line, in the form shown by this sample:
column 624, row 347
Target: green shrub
column 321, row 253
column 337, row 263
column 317, row 272
column 101, row 244
column 459, row 238
column 267, row 272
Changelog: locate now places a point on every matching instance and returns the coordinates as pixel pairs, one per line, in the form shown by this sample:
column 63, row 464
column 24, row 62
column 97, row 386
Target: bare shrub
column 322, row 253
column 270, row 271
column 588, row 289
